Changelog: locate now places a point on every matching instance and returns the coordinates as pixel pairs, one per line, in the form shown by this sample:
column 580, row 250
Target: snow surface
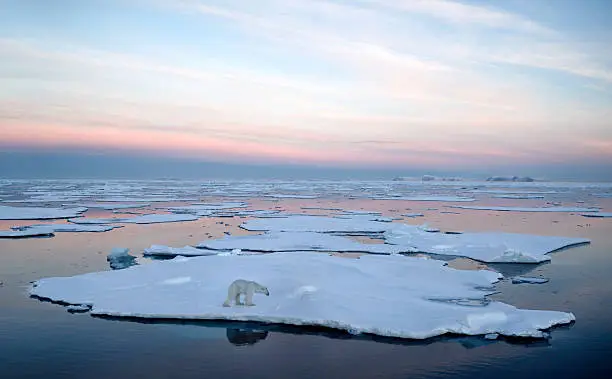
column 144, row 219
column 486, row 247
column 598, row 214
column 298, row 223
column 38, row 213
column 526, row 209
column 297, row 241
column 393, row 296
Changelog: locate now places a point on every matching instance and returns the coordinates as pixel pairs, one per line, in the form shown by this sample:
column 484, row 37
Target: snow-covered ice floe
column 493, row 247
column 598, row 215
column 38, row 213
column 394, row 296
column 298, row 223
column 144, row 219
column 297, row 241
column 51, row 229
column 526, row 209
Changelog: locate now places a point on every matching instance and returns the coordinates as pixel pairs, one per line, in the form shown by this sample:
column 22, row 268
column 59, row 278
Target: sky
column 507, row 87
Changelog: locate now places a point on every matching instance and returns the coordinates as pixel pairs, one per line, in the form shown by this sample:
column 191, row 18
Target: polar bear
column 246, row 287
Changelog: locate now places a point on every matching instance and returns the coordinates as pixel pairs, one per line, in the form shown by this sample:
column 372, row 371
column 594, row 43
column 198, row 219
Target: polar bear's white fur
column 246, row 288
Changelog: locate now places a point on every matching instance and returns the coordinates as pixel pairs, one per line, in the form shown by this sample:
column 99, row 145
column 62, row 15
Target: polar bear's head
column 262, row 289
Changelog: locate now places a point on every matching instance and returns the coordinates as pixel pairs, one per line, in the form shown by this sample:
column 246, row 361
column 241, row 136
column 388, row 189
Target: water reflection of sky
column 40, row 338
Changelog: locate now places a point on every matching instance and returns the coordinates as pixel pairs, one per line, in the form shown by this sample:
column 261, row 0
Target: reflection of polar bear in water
column 246, row 287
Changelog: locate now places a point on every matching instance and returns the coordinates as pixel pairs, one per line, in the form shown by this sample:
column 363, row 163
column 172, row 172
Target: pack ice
column 392, row 295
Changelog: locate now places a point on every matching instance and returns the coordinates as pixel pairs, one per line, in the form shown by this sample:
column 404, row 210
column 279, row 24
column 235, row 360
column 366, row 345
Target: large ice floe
column 144, row 219
column 297, row 241
column 51, row 229
column 493, row 247
column 526, row 209
column 395, row 296
column 322, row 224
column 38, row 213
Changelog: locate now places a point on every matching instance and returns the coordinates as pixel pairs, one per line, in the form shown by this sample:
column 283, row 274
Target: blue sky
column 430, row 84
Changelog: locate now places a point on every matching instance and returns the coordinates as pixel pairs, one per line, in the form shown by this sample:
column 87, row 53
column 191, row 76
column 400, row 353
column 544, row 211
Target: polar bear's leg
column 249, row 296
column 238, row 298
column 230, row 295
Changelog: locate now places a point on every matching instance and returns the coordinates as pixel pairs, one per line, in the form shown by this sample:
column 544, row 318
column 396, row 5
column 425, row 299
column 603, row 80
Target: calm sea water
column 40, row 339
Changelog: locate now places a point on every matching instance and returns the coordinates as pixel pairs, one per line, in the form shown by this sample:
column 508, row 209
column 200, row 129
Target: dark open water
column 42, row 340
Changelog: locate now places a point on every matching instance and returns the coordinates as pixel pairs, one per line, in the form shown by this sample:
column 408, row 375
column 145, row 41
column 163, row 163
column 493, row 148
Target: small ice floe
column 527, row 279
column 49, row 230
column 38, row 213
column 363, row 295
column 598, row 215
column 526, row 209
column 491, row 336
column 120, row 258
column 144, row 219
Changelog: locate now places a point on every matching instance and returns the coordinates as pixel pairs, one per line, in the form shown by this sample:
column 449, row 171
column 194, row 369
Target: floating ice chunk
column 120, row 258
column 144, row 219
column 524, row 209
column 598, row 215
column 527, row 279
column 38, row 213
column 205, row 209
column 298, row 223
column 305, row 290
column 161, row 250
column 297, row 241
column 485, row 247
column 491, row 336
